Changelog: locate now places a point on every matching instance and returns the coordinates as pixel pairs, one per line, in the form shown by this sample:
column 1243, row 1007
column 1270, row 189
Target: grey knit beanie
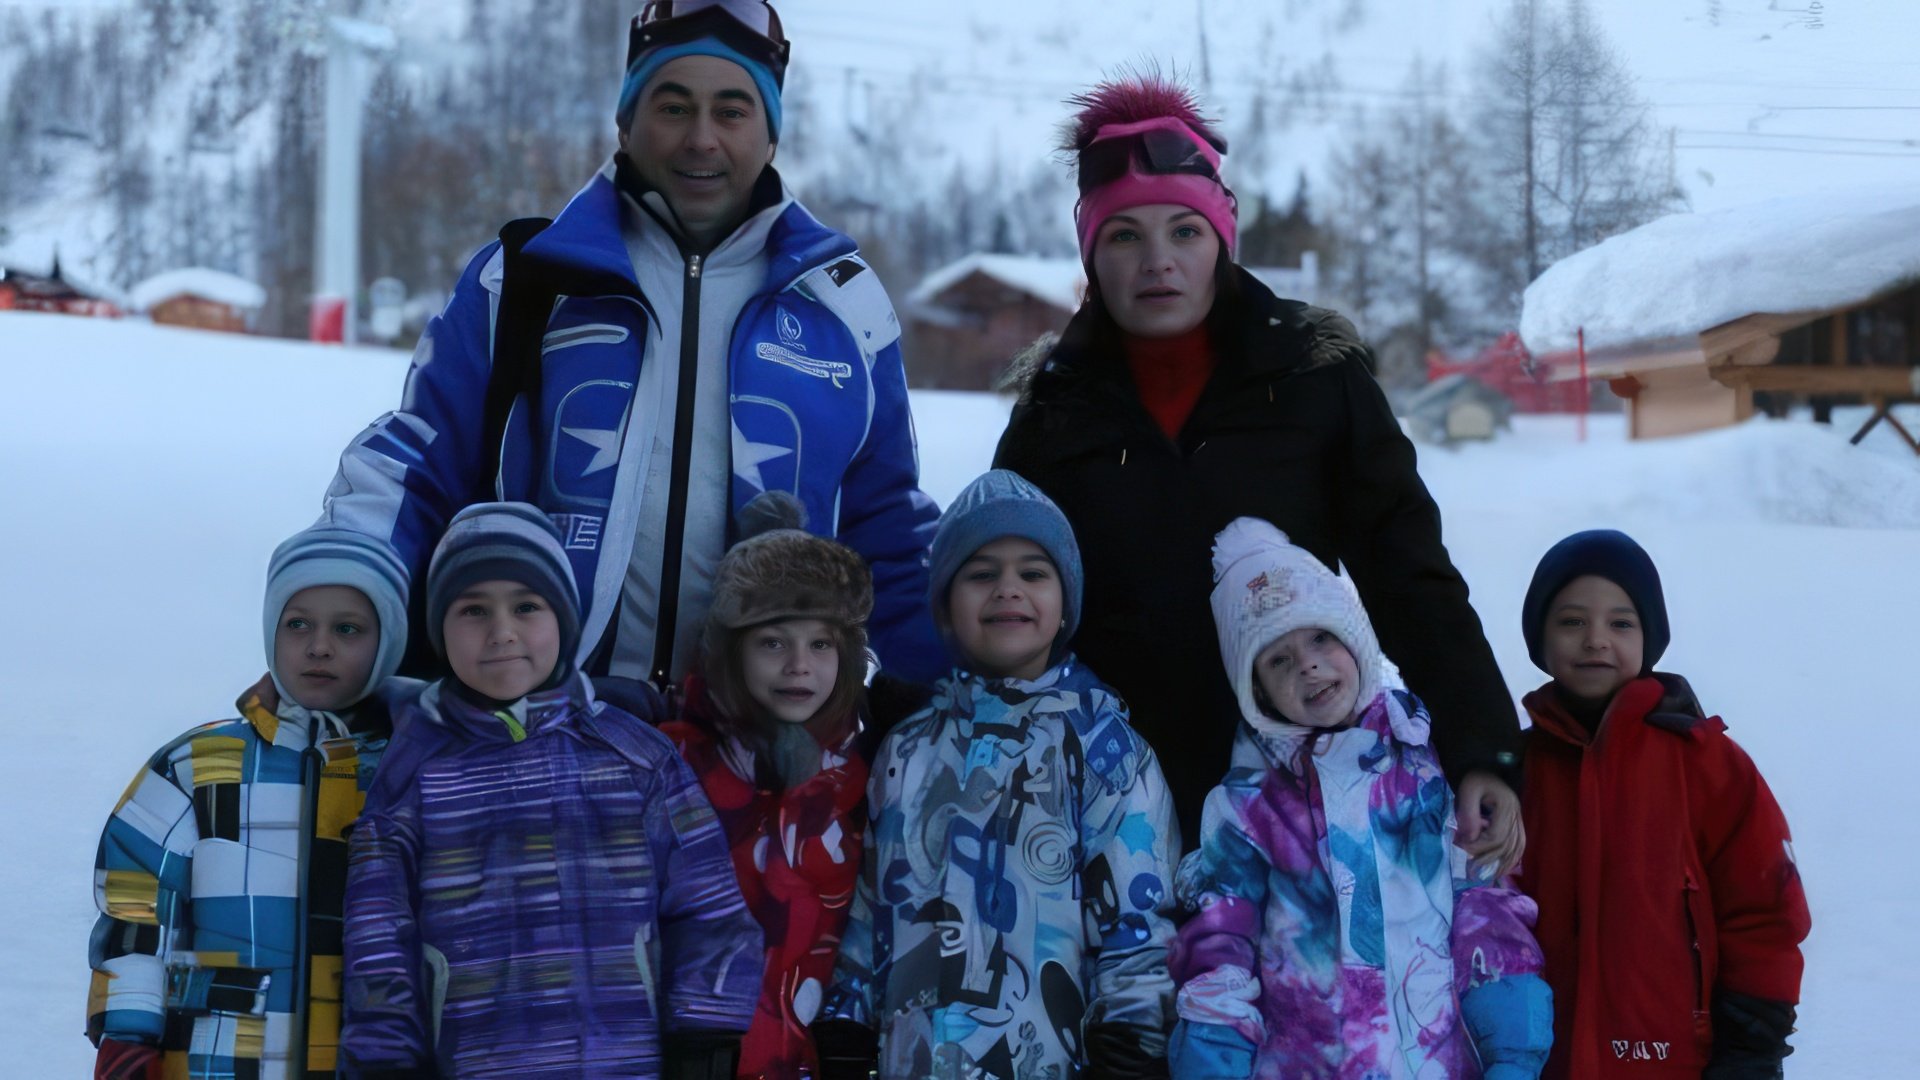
column 331, row 555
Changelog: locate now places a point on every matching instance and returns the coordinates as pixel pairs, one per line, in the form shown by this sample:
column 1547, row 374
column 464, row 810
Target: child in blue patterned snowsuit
column 1337, row 933
column 1011, row 917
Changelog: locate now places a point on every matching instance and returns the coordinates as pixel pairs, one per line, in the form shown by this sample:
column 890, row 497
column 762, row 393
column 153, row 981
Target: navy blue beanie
column 997, row 504
column 1606, row 553
column 504, row 541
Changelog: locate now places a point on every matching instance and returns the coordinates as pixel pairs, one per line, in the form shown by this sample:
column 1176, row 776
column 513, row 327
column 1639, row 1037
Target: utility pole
column 1206, row 54
column 351, row 47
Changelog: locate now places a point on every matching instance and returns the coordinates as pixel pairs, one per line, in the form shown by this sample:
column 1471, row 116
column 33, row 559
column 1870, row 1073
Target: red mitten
column 126, row 1061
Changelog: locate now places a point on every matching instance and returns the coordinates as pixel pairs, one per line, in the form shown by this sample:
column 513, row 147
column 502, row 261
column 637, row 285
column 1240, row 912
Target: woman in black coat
column 1184, row 394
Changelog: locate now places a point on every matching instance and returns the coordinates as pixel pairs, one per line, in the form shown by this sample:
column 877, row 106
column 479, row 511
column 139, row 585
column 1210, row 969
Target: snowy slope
column 148, row 472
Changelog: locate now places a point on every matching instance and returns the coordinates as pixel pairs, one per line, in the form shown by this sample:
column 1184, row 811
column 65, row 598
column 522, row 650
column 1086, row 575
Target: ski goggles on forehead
column 752, row 26
column 1156, row 151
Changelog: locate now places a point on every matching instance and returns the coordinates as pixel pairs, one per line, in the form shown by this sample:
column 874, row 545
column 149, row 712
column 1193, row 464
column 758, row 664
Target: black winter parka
column 1292, row 428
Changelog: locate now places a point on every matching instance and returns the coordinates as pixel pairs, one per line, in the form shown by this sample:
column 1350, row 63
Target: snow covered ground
column 147, row 472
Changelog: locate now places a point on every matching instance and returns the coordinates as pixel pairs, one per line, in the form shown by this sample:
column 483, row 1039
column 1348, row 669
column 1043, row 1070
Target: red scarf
column 1169, row 374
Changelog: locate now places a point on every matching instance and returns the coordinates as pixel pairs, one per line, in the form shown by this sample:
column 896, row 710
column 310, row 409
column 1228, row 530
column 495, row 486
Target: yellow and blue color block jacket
column 220, row 880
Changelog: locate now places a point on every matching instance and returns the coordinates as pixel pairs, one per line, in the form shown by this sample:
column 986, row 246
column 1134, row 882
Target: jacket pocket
column 584, row 334
column 645, row 956
column 435, row 963
column 194, row 990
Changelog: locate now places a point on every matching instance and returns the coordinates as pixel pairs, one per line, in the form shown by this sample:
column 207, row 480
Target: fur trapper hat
column 785, row 573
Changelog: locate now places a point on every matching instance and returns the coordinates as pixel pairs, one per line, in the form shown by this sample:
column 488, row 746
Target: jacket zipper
column 673, row 543
column 1693, row 939
column 302, row 963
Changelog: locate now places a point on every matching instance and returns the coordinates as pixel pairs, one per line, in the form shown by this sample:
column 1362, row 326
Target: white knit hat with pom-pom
column 1264, row 588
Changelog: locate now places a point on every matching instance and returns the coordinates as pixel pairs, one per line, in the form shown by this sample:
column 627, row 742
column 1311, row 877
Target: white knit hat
column 1265, row 588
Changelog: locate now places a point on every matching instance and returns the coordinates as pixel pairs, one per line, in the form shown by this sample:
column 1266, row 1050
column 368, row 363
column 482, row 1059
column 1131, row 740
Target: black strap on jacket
column 513, row 372
column 518, row 328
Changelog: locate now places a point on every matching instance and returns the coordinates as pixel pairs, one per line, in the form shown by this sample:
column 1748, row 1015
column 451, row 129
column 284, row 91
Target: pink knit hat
column 1139, row 139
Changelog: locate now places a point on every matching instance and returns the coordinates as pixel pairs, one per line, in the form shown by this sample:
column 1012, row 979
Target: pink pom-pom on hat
column 1143, row 110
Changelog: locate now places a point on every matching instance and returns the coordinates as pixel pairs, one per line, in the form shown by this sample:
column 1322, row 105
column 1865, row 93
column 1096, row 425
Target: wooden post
column 1586, row 388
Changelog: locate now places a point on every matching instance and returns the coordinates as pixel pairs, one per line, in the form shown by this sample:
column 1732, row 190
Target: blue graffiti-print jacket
column 1010, row 919
column 816, row 390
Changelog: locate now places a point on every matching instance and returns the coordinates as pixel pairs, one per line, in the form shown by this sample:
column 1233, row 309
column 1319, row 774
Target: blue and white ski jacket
column 814, row 371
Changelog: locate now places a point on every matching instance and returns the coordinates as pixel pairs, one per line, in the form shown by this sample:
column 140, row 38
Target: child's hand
column 1489, row 819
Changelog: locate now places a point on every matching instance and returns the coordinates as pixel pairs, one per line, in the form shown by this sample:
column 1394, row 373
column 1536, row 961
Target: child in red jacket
column 771, row 728
column 1671, row 912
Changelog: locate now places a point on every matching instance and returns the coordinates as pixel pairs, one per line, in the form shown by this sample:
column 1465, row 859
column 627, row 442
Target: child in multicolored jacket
column 1671, row 909
column 222, row 870
column 1336, row 931
column 538, row 886
column 772, row 728
column 1010, row 919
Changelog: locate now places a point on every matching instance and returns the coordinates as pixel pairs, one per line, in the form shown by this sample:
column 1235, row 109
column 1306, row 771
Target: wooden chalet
column 1811, row 300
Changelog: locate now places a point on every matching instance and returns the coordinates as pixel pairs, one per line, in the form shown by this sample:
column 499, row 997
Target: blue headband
column 649, row 64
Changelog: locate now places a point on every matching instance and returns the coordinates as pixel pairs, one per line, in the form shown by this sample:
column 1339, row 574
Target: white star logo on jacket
column 606, row 447
column 748, row 457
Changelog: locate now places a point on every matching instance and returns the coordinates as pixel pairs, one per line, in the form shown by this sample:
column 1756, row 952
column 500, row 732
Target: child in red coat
column 771, row 729
column 1671, row 912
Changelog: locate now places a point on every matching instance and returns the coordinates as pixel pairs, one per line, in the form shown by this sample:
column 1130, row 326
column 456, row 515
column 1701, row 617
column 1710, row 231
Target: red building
column 51, row 293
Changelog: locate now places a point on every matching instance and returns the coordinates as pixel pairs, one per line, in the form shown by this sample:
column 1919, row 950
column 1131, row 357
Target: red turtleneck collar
column 1169, row 374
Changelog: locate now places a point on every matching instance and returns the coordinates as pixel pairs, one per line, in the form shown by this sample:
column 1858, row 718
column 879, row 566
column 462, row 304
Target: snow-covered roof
column 215, row 285
column 1055, row 281
column 1060, row 282
column 1688, row 273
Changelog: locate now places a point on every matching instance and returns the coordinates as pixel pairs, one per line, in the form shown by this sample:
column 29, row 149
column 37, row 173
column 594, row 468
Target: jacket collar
column 1083, row 382
column 1268, row 743
column 1261, row 336
column 584, row 252
column 1660, row 699
column 538, row 713
column 284, row 723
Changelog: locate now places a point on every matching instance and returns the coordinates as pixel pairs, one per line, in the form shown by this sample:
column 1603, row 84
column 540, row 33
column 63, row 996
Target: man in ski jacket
column 704, row 339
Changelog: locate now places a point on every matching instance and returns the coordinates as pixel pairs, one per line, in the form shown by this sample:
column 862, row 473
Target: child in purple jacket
column 538, row 886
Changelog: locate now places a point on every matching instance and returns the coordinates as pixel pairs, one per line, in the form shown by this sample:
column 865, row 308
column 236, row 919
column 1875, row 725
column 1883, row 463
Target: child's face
column 790, row 667
column 502, row 639
column 324, row 646
column 1004, row 607
column 1594, row 643
column 1310, row 677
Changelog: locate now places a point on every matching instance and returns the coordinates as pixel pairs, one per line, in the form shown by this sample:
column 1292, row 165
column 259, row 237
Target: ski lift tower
column 351, row 47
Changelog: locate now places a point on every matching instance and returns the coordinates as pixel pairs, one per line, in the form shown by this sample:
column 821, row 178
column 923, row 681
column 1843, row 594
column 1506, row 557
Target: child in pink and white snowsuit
column 1336, row 932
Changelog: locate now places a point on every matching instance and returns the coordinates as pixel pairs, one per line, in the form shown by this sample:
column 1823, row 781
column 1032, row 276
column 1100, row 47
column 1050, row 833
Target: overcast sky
column 1766, row 96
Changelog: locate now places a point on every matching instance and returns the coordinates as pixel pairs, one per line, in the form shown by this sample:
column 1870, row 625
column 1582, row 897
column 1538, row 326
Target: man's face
column 699, row 136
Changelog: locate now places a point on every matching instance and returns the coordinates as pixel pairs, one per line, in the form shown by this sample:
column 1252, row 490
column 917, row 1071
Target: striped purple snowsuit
column 547, row 903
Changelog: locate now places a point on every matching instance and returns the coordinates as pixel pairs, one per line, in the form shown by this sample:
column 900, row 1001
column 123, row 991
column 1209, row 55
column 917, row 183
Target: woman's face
column 1154, row 265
